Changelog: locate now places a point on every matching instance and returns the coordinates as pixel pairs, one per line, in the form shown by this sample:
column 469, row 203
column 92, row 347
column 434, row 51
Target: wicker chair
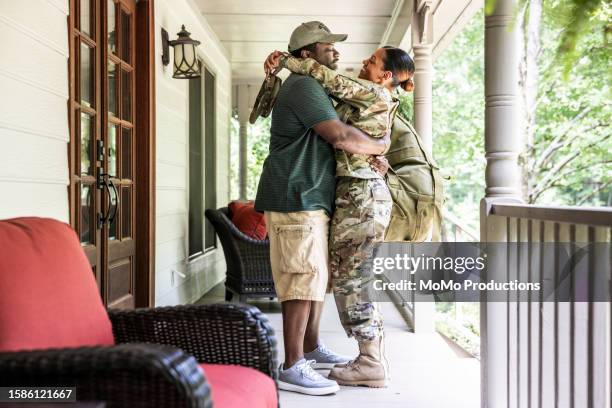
column 60, row 335
column 249, row 273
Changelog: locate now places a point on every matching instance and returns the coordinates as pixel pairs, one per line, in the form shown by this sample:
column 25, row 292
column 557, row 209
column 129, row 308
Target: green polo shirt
column 298, row 174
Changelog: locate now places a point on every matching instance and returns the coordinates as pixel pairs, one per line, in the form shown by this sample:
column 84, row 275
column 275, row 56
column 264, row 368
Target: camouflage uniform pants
column 362, row 214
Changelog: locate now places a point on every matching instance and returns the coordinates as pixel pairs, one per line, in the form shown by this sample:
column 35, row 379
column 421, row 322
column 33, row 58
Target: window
column 202, row 173
column 196, row 170
column 210, row 187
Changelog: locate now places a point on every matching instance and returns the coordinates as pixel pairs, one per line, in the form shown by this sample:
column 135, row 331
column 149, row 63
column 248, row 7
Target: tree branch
column 534, row 196
column 593, row 193
column 569, row 143
column 553, row 86
column 590, row 165
column 558, row 167
column 553, row 182
column 554, row 174
column 556, row 143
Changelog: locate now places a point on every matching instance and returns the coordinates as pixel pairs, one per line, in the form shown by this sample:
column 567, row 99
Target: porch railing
column 546, row 354
column 456, row 324
column 453, row 230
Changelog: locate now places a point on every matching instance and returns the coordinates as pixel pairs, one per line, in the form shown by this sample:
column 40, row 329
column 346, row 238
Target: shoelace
column 352, row 362
column 307, row 371
column 323, row 349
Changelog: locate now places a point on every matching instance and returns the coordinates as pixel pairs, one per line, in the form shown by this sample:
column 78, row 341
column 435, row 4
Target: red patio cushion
column 234, row 386
column 48, row 294
column 247, row 220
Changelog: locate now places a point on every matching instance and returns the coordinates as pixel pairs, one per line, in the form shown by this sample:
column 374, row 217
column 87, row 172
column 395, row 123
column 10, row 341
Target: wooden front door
column 103, row 154
column 120, row 134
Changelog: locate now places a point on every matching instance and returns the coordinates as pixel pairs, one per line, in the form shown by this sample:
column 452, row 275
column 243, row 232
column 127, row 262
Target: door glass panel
column 112, row 34
column 126, row 153
column 112, row 89
column 86, row 143
column 86, row 75
column 126, row 95
column 112, row 228
column 112, row 150
column 87, row 224
column 126, row 202
column 86, row 19
column 125, row 37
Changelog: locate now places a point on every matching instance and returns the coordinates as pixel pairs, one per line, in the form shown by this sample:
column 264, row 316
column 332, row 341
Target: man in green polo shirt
column 297, row 191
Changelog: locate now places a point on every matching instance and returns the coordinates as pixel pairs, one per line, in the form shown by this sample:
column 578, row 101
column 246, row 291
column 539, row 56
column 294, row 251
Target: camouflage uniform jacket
column 367, row 106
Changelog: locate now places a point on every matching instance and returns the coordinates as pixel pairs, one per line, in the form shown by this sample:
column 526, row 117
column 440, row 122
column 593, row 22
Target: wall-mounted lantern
column 186, row 64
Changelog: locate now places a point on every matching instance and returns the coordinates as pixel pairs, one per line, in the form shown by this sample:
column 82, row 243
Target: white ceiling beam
column 279, row 28
column 450, row 20
column 398, row 24
column 258, row 51
column 363, row 8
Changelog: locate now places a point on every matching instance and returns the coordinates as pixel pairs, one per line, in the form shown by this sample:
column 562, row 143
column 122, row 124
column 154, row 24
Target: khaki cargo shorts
column 299, row 254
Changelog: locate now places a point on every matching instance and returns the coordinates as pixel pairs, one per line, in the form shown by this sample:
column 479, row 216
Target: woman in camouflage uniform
column 363, row 202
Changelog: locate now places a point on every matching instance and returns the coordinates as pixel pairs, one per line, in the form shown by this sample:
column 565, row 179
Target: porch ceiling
column 251, row 29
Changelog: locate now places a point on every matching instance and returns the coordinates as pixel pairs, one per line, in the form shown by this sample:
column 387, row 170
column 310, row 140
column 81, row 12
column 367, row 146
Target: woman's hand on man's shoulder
column 273, row 61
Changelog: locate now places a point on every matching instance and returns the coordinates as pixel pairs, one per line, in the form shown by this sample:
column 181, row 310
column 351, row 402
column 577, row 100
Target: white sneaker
column 301, row 378
column 325, row 358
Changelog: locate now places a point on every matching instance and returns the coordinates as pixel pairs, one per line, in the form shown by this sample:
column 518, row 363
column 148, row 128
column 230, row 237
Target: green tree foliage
column 570, row 157
column 234, row 176
column 577, row 19
column 569, row 161
column 258, row 139
column 258, row 146
column 458, row 120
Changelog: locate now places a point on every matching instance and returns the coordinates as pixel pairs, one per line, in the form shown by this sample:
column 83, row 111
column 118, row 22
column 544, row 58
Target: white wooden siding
column 172, row 176
column 34, row 131
column 33, row 110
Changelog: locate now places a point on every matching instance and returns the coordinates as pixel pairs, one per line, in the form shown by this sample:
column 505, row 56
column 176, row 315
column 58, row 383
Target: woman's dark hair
column 400, row 64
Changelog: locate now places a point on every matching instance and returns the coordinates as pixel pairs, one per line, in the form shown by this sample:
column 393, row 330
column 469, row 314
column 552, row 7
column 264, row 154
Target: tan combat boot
column 368, row 369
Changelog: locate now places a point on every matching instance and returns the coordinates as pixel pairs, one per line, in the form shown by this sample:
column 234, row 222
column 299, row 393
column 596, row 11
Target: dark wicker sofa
column 249, row 273
column 54, row 331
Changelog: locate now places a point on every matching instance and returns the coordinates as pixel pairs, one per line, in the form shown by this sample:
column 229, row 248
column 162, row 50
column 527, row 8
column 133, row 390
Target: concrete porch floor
column 426, row 370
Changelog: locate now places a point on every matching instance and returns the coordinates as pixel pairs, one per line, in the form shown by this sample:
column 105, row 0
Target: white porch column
column 502, row 110
column 502, row 175
column 422, row 37
column 243, row 119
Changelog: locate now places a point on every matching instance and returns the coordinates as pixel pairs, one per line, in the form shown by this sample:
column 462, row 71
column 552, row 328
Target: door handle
column 103, row 184
column 115, row 202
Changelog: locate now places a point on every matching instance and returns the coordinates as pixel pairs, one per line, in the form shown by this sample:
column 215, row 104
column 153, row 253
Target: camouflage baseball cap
column 312, row 32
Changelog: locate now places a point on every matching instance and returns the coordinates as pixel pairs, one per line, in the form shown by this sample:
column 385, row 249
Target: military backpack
column 415, row 184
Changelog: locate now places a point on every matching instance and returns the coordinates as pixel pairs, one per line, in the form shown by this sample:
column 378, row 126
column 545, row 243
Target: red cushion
column 247, row 220
column 234, row 386
column 48, row 294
